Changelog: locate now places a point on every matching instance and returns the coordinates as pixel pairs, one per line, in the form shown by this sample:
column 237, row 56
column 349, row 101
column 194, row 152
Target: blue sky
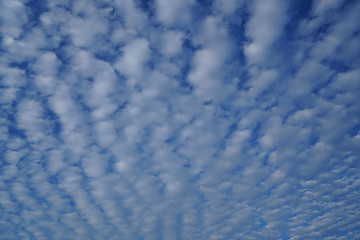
column 181, row 119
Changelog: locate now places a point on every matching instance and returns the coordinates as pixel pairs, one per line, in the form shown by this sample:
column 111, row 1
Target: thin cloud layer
column 179, row 119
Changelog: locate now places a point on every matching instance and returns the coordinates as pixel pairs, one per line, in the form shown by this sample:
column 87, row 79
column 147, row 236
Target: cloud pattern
column 184, row 119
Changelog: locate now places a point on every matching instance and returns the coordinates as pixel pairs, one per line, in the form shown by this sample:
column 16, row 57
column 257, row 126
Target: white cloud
column 322, row 6
column 12, row 77
column 262, row 82
column 175, row 12
column 264, row 27
column 55, row 162
column 47, row 64
column 13, row 16
column 205, row 76
column 8, row 95
column 146, row 120
column 30, row 118
column 171, row 43
column 134, row 18
column 94, row 166
column 135, row 55
column 227, row 7
column 85, row 32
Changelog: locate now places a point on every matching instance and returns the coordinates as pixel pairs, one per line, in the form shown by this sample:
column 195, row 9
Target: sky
column 181, row 119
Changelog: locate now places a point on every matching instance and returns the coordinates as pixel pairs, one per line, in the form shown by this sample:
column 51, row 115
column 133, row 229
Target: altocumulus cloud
column 183, row 119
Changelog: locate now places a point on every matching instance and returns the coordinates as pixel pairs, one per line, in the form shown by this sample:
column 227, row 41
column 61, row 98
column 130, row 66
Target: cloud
column 265, row 26
column 174, row 13
column 135, row 55
column 172, row 43
column 179, row 120
column 322, row 6
column 13, row 18
column 227, row 7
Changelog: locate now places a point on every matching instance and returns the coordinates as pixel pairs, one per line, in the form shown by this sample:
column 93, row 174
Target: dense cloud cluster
column 181, row 119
